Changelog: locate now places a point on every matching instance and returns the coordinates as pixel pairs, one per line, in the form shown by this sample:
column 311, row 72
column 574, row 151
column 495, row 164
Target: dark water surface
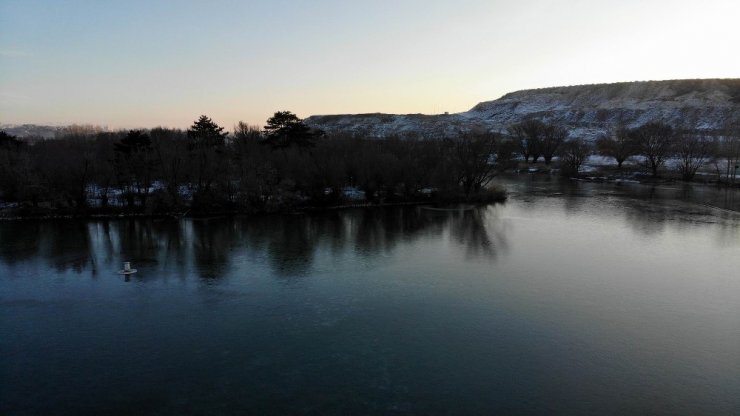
column 570, row 299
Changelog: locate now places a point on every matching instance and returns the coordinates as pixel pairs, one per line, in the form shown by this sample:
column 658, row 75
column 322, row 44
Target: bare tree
column 693, row 150
column 528, row 134
column 654, row 141
column 473, row 158
column 170, row 147
column 135, row 165
column 617, row 143
column 244, row 132
column 552, row 137
column 727, row 153
column 80, row 130
column 573, row 153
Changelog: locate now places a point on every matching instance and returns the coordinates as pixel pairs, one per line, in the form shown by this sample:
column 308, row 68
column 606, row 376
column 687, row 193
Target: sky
column 130, row 63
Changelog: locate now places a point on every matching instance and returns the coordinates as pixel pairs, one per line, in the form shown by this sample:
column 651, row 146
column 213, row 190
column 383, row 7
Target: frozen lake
column 571, row 298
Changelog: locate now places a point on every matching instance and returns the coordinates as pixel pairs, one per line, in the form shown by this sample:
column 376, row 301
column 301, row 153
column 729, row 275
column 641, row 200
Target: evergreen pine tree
column 284, row 129
column 205, row 133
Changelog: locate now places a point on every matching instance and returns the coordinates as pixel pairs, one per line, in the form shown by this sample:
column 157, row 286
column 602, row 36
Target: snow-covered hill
column 588, row 110
column 30, row 130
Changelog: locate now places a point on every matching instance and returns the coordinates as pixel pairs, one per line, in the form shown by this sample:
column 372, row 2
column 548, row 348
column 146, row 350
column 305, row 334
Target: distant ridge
column 588, row 110
column 30, row 130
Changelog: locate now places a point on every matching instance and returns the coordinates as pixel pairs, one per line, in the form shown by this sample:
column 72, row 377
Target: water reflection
column 573, row 297
column 173, row 246
column 20, row 240
column 212, row 242
column 288, row 244
column 478, row 236
column 207, row 246
column 291, row 245
column 649, row 210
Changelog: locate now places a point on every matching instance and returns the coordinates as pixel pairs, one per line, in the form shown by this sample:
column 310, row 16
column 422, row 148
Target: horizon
column 107, row 128
column 123, row 66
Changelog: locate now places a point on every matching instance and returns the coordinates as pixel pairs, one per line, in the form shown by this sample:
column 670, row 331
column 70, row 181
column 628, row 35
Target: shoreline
column 174, row 215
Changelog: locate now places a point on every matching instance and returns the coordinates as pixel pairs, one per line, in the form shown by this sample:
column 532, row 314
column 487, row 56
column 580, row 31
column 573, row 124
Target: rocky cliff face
column 588, row 110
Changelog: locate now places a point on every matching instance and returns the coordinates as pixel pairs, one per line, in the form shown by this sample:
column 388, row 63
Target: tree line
column 654, row 143
column 690, row 149
column 286, row 164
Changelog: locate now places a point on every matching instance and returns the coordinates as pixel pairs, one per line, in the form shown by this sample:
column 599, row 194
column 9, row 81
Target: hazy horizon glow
column 150, row 63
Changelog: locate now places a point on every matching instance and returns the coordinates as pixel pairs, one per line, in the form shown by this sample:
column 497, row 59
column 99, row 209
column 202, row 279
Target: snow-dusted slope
column 30, row 130
column 588, row 110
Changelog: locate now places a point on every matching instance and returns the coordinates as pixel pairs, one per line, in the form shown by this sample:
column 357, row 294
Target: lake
column 570, row 298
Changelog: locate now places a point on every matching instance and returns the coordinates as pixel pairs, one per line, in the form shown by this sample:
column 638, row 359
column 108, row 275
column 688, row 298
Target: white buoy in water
column 127, row 268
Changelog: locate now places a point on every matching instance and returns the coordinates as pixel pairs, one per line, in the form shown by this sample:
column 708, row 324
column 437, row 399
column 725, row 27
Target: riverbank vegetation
column 650, row 152
column 203, row 170
column 287, row 165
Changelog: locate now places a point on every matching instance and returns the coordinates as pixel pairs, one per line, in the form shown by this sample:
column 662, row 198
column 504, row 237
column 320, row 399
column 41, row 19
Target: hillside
column 587, row 109
column 30, row 130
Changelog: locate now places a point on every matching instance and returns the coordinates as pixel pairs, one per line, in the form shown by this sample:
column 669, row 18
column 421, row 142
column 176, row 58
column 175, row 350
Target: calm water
column 572, row 299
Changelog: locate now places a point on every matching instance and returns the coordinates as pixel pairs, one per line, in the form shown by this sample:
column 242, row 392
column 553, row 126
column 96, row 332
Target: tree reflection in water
column 138, row 241
column 19, row 241
column 212, row 243
column 288, row 244
column 67, row 246
column 481, row 235
column 206, row 246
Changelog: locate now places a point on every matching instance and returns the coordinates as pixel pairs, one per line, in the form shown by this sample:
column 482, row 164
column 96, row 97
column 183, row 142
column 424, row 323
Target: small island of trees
column 202, row 170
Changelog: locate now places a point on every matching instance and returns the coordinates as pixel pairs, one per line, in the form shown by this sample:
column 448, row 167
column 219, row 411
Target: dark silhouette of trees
column 693, row 151
column 171, row 150
column 205, row 133
column 654, row 140
column 284, row 129
column 8, row 141
column 91, row 170
column 727, row 153
column 86, row 169
column 12, row 167
column 105, row 172
column 245, row 133
column 473, row 161
column 618, row 143
column 256, row 173
column 206, row 146
column 573, row 153
column 536, row 138
column 135, row 166
column 528, row 135
column 551, row 138
column 67, row 167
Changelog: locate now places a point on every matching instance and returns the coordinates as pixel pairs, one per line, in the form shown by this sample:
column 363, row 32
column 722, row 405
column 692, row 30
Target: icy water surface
column 569, row 299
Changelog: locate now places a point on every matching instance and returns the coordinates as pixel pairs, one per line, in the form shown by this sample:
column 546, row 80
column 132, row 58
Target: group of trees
column 655, row 143
column 690, row 149
column 287, row 164
column 205, row 169
column 535, row 138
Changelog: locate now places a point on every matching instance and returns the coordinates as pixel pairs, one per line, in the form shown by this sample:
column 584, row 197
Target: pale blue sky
column 148, row 63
